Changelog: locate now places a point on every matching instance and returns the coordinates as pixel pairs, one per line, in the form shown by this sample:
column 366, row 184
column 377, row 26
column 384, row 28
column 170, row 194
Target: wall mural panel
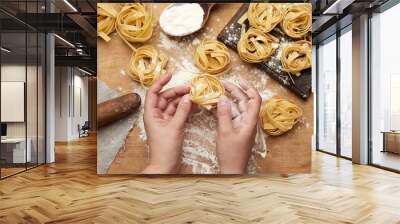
column 252, row 61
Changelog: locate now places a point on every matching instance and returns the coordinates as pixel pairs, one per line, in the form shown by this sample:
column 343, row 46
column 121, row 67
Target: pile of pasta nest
column 134, row 24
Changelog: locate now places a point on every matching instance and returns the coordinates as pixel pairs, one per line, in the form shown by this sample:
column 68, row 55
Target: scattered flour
column 166, row 42
column 196, row 41
column 183, row 73
column 122, row 72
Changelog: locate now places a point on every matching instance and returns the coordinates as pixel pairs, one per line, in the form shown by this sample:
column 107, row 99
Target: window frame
column 337, row 35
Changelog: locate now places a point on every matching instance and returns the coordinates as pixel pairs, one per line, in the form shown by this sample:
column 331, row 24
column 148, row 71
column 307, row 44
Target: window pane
column 385, row 80
column 14, row 153
column 346, row 94
column 327, row 96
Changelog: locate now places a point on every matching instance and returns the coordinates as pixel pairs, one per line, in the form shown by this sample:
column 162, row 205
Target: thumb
column 182, row 112
column 224, row 115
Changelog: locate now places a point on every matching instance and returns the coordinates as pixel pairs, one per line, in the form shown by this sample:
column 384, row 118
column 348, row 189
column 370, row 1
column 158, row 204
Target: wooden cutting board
column 300, row 85
column 289, row 153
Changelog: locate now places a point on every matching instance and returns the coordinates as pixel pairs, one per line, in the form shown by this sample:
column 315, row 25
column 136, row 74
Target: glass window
column 22, row 91
column 346, row 92
column 385, row 82
column 327, row 96
column 14, row 151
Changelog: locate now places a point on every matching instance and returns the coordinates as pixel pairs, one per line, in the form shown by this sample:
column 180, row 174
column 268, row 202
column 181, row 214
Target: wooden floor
column 69, row 191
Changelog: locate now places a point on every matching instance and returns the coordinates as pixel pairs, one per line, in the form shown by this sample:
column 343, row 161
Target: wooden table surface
column 289, row 153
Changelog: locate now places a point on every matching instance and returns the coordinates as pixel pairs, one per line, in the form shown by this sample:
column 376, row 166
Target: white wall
column 70, row 83
column 16, row 73
column 33, row 126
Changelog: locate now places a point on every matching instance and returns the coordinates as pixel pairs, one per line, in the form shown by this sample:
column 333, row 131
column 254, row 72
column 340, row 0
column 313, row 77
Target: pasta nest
column 296, row 57
column 255, row 46
column 278, row 116
column 297, row 21
column 106, row 17
column 264, row 16
column 205, row 90
column 212, row 57
column 147, row 65
column 134, row 24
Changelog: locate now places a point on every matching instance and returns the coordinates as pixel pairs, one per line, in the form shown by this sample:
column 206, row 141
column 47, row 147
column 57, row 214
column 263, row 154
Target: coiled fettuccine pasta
column 255, row 46
column 212, row 57
column 134, row 24
column 205, row 90
column 278, row 116
column 264, row 16
column 297, row 21
column 296, row 57
column 147, row 65
column 106, row 16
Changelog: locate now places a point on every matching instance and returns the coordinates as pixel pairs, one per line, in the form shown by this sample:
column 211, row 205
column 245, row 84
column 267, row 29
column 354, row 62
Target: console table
column 13, row 150
column 391, row 141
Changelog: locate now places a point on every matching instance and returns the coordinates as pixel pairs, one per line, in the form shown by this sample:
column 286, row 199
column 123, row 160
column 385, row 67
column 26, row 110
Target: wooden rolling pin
column 117, row 108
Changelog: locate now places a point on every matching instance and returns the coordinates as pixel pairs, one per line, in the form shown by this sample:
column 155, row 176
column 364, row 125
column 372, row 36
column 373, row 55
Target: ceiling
column 332, row 15
column 75, row 21
column 72, row 20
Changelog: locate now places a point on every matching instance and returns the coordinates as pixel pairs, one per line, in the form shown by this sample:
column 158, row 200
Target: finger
column 182, row 112
column 237, row 94
column 172, row 105
column 175, row 91
column 224, row 115
column 171, row 94
column 159, row 84
column 253, row 105
column 235, row 110
column 151, row 100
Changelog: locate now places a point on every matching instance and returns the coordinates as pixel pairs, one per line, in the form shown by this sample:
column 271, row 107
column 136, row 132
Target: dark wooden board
column 300, row 85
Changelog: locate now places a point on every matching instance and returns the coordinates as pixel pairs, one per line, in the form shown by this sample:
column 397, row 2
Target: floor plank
column 70, row 191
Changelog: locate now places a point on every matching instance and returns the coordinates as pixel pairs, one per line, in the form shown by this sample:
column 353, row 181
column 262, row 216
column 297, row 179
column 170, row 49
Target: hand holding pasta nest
column 134, row 25
column 278, row 116
column 205, row 90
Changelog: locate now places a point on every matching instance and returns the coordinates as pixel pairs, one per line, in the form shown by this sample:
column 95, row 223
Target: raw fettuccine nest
column 297, row 20
column 264, row 16
column 296, row 57
column 147, row 65
column 134, row 23
column 278, row 116
column 255, row 46
column 106, row 16
column 212, row 57
column 205, row 90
